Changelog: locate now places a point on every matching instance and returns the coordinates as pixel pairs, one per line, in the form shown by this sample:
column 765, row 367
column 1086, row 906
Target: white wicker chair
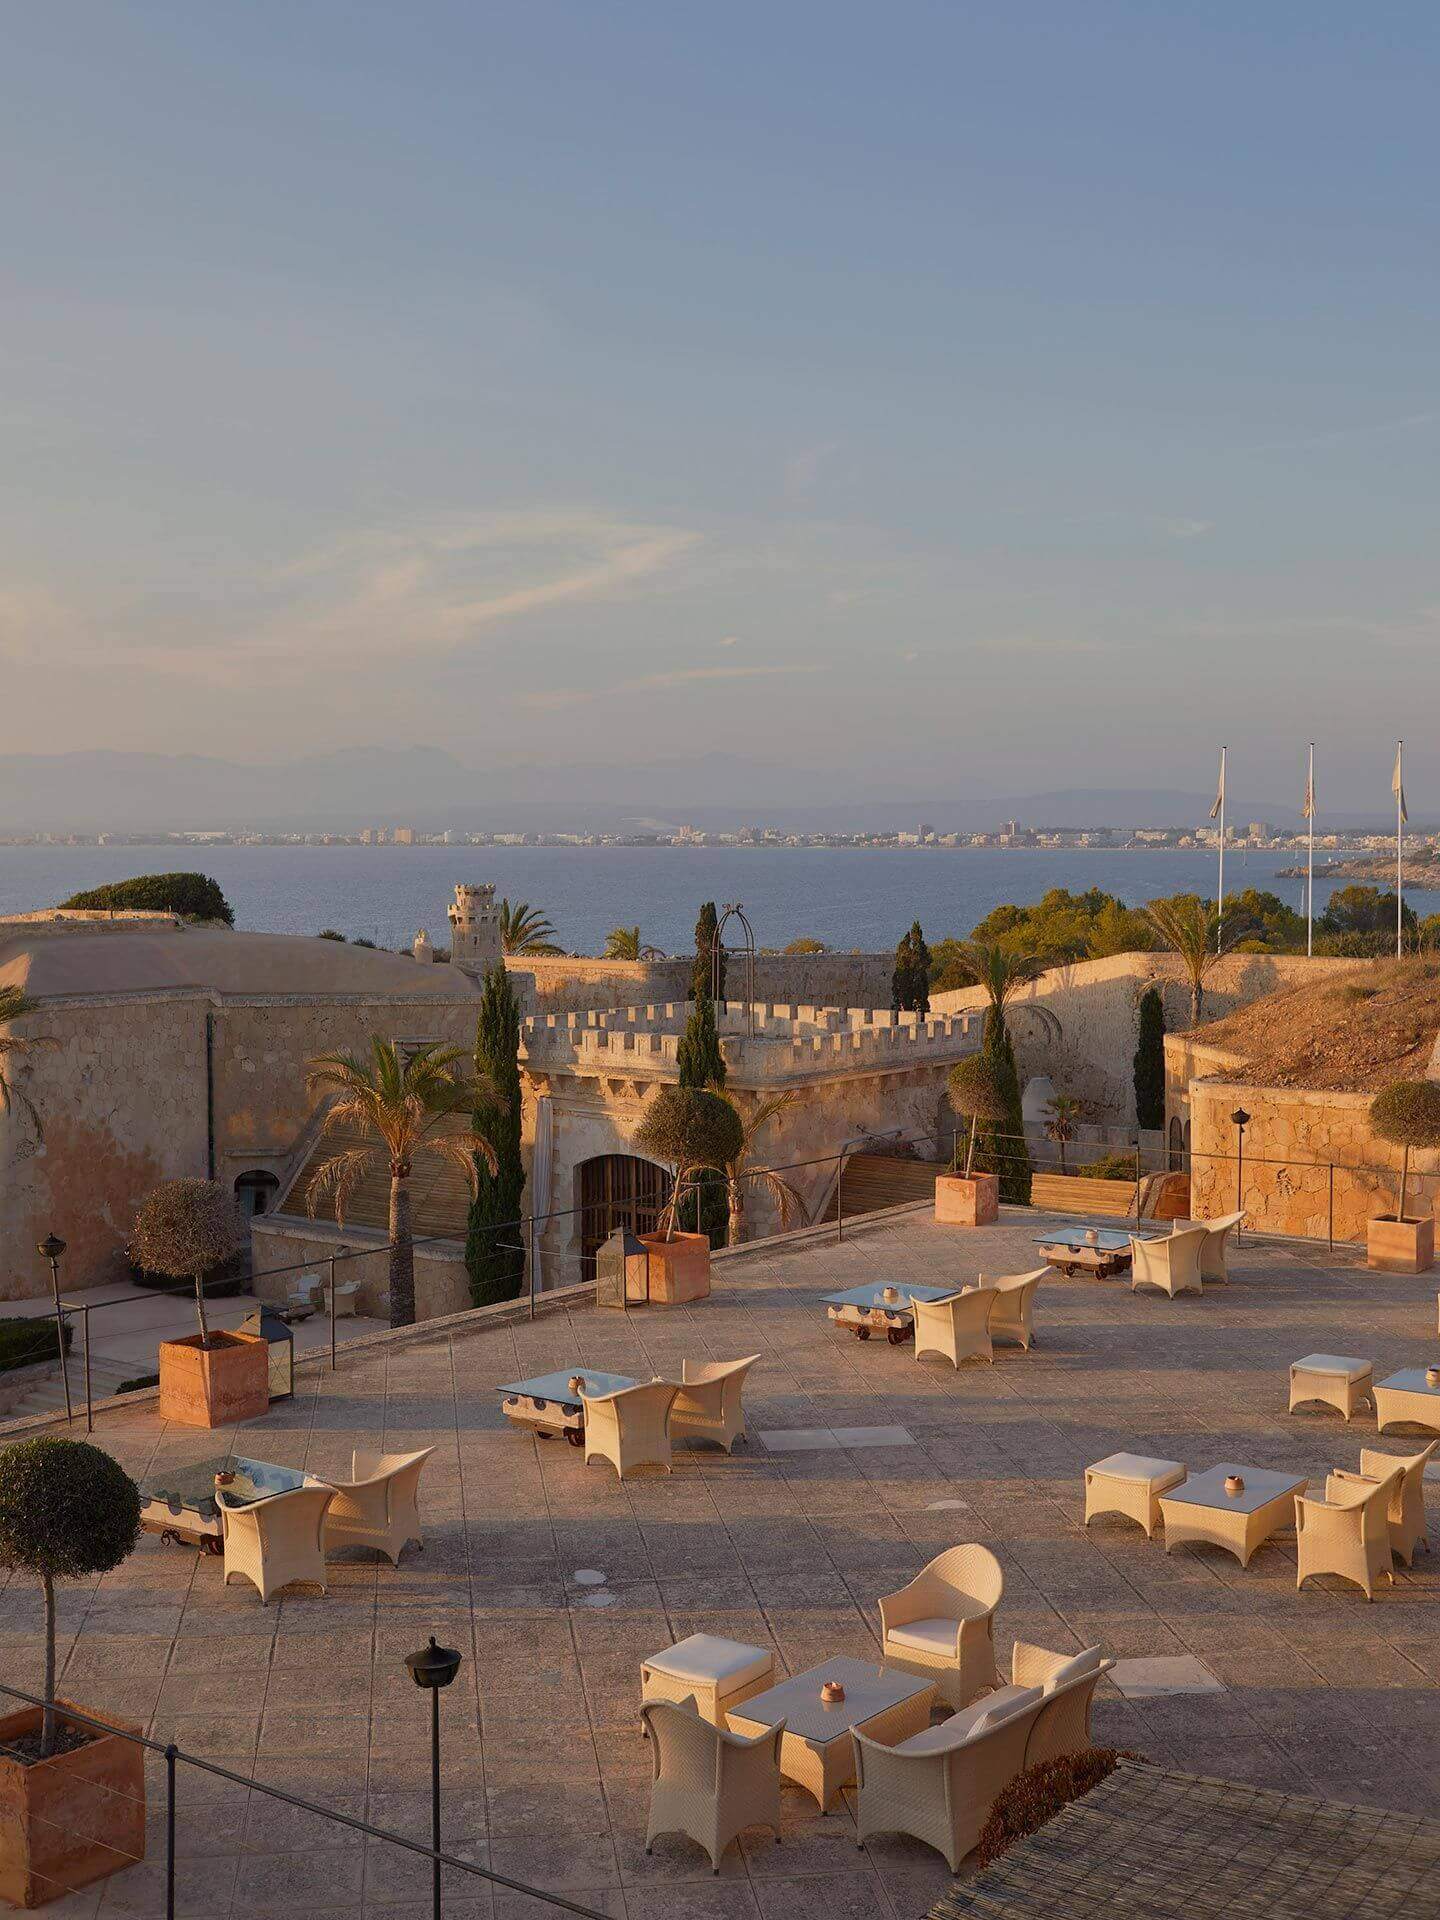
column 709, row 1784
column 1409, row 1530
column 1068, row 1682
column 1171, row 1263
column 942, row 1625
column 956, row 1327
column 938, row 1786
column 1348, row 1532
column 379, row 1507
column 1012, row 1311
column 278, row 1540
column 630, row 1428
column 1212, row 1251
column 709, row 1405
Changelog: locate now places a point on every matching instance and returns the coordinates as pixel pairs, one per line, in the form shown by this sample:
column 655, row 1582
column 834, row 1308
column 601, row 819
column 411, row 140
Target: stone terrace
column 547, row 1774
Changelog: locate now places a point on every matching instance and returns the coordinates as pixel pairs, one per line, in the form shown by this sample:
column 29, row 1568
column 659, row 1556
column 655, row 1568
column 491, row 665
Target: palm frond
column 462, row 1150
column 337, row 1179
column 786, row 1197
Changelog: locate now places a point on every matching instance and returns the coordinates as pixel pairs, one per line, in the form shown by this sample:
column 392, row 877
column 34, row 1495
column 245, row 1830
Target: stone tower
column 475, row 941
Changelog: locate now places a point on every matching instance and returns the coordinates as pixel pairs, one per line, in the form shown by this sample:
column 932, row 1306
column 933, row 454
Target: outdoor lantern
column 265, row 1324
column 622, row 1271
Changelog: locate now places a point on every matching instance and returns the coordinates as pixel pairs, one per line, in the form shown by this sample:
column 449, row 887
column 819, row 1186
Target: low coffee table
column 183, row 1503
column 1071, row 1252
column 816, row 1750
column 1200, row 1509
column 864, row 1310
column 549, row 1405
column 1407, row 1397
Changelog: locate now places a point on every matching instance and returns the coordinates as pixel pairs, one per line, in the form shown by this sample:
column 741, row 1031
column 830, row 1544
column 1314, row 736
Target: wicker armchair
column 938, row 1786
column 278, row 1540
column 1212, row 1251
column 942, row 1625
column 630, row 1428
column 957, row 1327
column 708, row 1405
column 1171, row 1263
column 378, row 1508
column 1012, row 1310
column 709, row 1784
column 1348, row 1532
column 1406, row 1515
column 1068, row 1682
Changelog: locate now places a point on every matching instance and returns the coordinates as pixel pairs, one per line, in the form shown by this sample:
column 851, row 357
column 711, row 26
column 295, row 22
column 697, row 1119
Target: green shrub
column 194, row 896
column 1039, row 1793
column 26, row 1342
column 1110, row 1166
column 140, row 1381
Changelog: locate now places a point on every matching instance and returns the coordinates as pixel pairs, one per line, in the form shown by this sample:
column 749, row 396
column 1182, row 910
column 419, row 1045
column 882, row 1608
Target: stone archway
column 255, row 1192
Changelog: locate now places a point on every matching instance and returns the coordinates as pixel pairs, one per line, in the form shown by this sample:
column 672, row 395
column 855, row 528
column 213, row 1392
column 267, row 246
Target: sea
column 859, row 899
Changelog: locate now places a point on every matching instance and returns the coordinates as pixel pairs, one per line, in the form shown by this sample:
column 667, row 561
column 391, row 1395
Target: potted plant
column 185, row 1229
column 693, row 1130
column 1406, row 1114
column 72, row 1796
column 977, row 1094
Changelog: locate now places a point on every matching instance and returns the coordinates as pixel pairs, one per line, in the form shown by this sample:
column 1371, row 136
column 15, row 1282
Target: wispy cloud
column 687, row 676
column 803, row 470
column 1182, row 529
column 662, row 681
column 1337, row 436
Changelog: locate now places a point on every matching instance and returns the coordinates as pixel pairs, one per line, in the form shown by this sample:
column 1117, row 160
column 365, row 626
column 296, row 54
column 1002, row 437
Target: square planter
column 679, row 1268
column 1400, row 1246
column 69, row 1820
column 967, row 1200
column 212, row 1386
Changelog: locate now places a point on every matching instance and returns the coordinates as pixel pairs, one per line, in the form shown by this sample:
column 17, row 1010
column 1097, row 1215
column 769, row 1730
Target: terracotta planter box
column 70, row 1820
column 679, row 1268
column 1400, row 1246
column 212, row 1386
column 963, row 1200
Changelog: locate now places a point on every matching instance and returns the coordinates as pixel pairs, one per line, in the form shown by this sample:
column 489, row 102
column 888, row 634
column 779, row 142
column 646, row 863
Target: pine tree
column 707, row 944
column 495, row 1260
column 702, row 1064
column 1150, row 1062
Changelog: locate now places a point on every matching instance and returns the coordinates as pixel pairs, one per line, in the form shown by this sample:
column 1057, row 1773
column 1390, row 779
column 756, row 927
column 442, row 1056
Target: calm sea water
column 859, row 899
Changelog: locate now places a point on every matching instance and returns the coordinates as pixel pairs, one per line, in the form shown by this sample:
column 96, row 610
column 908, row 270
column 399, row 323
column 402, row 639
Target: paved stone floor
column 547, row 1777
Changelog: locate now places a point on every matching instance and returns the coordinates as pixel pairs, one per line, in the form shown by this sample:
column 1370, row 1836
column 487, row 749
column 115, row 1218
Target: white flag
column 1219, row 806
column 1309, row 810
column 1397, row 783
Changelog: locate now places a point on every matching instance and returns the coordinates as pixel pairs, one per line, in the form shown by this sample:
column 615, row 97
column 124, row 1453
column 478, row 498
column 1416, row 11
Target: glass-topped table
column 1200, row 1508
column 550, row 1404
column 1098, row 1250
column 865, row 1310
column 1407, row 1397
column 183, row 1502
column 816, row 1750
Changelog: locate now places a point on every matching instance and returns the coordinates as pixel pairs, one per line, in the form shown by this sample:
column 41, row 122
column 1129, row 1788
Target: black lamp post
column 1241, row 1120
column 434, row 1667
column 51, row 1248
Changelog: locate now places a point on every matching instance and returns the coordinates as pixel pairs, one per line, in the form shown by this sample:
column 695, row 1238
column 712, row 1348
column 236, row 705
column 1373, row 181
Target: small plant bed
column 25, row 1342
column 27, row 1747
column 1039, row 1793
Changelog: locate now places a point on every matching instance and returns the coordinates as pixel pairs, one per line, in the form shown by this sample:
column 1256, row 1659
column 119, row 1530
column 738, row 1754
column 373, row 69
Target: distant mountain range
column 422, row 787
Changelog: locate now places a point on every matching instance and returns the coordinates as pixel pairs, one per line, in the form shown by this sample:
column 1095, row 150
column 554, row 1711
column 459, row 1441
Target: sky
column 1029, row 395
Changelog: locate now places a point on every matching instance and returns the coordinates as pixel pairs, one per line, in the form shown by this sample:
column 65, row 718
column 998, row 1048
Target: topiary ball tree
column 978, row 1095
column 184, row 1229
column 67, row 1510
column 1407, row 1114
column 692, row 1129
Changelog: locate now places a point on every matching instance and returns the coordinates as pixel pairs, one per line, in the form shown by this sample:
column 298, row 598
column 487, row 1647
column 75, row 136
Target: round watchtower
column 475, row 942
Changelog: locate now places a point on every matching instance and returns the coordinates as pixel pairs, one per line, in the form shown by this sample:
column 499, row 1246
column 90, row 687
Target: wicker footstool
column 1130, row 1484
column 1332, row 1378
column 716, row 1673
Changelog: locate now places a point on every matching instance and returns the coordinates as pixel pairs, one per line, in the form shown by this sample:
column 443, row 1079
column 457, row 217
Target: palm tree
column 13, row 1047
column 1066, row 1114
column 622, row 943
column 1001, row 972
column 1190, row 927
column 524, row 929
column 406, row 1102
column 739, row 1173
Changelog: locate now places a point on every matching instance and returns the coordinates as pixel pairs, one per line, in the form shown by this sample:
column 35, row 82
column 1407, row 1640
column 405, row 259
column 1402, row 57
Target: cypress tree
column 1002, row 1150
column 1150, row 1062
column 707, row 942
column 910, row 980
column 900, row 976
column 701, row 1062
column 496, row 1269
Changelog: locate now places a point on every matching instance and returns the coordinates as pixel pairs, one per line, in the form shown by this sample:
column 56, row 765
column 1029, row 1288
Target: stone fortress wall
column 565, row 984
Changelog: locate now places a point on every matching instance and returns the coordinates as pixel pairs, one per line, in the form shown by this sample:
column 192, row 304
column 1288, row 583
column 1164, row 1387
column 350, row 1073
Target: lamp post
column 1240, row 1120
column 434, row 1667
column 51, row 1248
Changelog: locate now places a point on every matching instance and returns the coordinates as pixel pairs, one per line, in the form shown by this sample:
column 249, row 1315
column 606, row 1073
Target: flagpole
column 1310, row 859
column 1220, row 903
column 1399, row 848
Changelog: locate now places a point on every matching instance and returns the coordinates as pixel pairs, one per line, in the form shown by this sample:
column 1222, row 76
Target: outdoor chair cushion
column 1080, row 1663
column 708, row 1657
column 943, row 1733
column 1002, row 1705
column 1346, row 1366
column 1140, row 1467
column 927, row 1636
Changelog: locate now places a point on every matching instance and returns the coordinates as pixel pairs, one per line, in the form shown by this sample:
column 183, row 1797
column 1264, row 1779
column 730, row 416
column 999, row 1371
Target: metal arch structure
column 735, row 911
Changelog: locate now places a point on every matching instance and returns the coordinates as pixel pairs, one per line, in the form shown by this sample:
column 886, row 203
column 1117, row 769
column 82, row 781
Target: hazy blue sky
column 1038, row 392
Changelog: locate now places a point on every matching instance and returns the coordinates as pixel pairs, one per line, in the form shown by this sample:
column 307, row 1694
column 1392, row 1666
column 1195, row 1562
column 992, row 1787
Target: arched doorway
column 616, row 1190
column 255, row 1193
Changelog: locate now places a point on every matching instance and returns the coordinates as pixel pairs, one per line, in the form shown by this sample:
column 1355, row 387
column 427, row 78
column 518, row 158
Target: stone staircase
column 47, row 1395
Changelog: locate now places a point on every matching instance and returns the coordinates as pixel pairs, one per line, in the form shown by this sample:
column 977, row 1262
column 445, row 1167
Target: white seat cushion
column 945, row 1733
column 1073, row 1668
column 927, row 1636
column 1001, row 1706
column 1140, row 1467
column 707, row 1660
column 1336, row 1363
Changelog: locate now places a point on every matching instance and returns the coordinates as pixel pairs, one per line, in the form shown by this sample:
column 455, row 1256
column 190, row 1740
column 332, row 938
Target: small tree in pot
column 67, row 1510
column 184, row 1230
column 977, row 1094
column 1406, row 1114
column 693, row 1130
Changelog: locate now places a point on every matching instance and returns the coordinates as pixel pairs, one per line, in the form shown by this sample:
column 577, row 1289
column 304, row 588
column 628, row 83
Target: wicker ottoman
column 1334, row 1379
column 1130, row 1484
column 716, row 1673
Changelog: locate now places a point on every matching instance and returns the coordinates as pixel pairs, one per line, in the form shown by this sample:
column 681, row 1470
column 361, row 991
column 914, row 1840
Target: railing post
column 840, row 1198
column 89, row 1409
column 1137, row 1179
column 1330, row 1212
column 332, row 1312
column 171, row 1753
